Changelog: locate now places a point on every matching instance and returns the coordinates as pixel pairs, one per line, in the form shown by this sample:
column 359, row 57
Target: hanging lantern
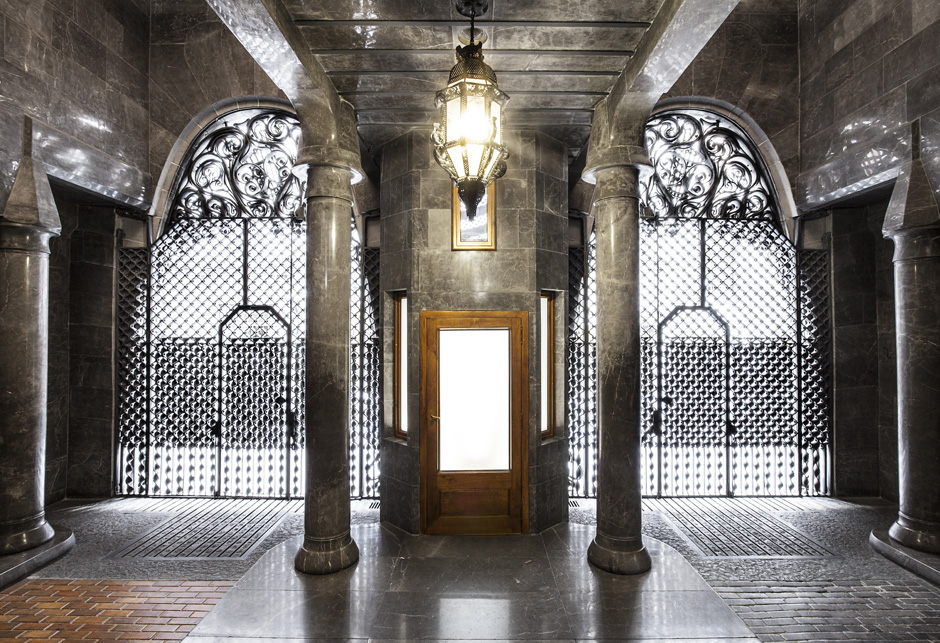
column 469, row 143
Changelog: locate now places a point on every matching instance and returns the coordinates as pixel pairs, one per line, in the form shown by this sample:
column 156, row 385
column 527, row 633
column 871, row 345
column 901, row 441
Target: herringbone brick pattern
column 106, row 610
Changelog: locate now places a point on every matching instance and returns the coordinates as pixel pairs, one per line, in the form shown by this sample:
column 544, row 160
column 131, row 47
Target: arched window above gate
column 212, row 325
column 734, row 325
column 241, row 167
column 704, row 166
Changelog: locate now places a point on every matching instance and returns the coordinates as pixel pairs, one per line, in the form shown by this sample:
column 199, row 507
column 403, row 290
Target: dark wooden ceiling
column 555, row 58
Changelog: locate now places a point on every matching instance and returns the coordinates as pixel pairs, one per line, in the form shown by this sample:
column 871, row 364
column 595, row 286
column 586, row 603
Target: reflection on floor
column 409, row 588
column 809, row 575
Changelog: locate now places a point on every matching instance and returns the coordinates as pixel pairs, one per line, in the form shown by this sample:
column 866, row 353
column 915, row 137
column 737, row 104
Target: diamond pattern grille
column 212, row 324
column 365, row 372
column 735, row 346
column 133, row 286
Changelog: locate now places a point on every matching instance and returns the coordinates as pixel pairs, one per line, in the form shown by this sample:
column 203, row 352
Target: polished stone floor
column 791, row 569
column 408, row 588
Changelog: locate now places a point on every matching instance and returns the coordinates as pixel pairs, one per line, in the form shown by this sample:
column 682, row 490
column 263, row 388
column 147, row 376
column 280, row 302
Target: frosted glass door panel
column 474, row 399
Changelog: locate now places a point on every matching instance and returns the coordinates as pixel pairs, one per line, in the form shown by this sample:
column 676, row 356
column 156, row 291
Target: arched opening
column 735, row 333
column 212, row 323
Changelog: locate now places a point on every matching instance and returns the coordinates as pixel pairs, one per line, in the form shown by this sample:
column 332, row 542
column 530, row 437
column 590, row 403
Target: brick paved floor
column 98, row 610
column 837, row 610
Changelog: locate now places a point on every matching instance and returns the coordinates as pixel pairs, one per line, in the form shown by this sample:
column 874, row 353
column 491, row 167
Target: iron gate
column 735, row 329
column 211, row 328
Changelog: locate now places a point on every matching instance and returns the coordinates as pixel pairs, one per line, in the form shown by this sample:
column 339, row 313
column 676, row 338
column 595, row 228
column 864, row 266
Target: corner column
column 328, row 546
column 618, row 545
column 26, row 226
column 917, row 308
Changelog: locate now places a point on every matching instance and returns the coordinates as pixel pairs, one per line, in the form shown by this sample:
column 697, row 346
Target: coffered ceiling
column 555, row 58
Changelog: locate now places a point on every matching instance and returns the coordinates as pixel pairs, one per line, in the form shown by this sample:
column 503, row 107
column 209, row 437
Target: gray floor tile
column 652, row 614
column 471, row 575
column 275, row 571
column 418, row 615
column 292, row 614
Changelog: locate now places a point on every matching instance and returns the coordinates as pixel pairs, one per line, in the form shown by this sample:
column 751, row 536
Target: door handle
column 435, row 417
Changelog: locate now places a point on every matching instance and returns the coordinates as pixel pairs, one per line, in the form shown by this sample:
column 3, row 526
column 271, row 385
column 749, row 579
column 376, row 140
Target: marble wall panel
column 887, row 356
column 91, row 347
column 767, row 87
column 195, row 62
column 865, row 385
column 80, row 67
column 57, row 405
column 868, row 68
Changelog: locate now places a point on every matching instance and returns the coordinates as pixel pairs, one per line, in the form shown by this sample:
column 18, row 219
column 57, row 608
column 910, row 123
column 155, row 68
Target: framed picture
column 479, row 233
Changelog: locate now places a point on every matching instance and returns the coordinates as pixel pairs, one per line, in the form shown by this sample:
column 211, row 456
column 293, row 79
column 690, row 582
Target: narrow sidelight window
column 401, row 366
column 547, row 357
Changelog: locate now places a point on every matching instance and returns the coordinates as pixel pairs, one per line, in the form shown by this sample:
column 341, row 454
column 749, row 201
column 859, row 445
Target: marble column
column 917, row 309
column 618, row 546
column 328, row 546
column 27, row 224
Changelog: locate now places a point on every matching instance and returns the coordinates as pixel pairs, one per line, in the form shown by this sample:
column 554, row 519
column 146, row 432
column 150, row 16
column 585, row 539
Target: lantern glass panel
column 474, row 158
column 456, row 157
column 476, row 126
column 496, row 113
column 453, row 122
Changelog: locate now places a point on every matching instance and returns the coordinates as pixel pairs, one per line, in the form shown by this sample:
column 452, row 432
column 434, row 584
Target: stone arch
column 170, row 176
column 764, row 152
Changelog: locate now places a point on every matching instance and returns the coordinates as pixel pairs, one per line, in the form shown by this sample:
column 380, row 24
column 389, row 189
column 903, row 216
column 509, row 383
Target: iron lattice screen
column 735, row 337
column 212, row 323
column 223, row 412
column 745, row 384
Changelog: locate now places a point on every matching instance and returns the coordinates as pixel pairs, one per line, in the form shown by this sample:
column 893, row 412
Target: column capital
column 913, row 201
column 911, row 244
column 326, row 180
column 30, row 204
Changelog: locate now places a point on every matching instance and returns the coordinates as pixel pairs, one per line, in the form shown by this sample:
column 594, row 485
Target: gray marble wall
column 82, row 68
column 752, row 63
column 57, row 421
column 195, row 62
column 865, row 387
column 531, row 256
column 91, row 349
column 868, row 69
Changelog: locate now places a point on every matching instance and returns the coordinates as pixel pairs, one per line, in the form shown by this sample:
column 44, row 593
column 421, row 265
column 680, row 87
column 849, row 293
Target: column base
column 619, row 555
column 24, row 534
column 916, row 534
column 326, row 556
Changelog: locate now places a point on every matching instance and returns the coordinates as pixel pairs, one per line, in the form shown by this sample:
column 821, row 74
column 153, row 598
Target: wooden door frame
column 518, row 324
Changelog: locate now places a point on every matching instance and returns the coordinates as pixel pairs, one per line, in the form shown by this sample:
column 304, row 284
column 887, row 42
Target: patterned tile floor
column 100, row 610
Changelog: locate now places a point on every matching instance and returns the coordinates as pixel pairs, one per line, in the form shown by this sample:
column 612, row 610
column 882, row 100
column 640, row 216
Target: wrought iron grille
column 211, row 328
column 365, row 371
column 582, row 373
column 735, row 329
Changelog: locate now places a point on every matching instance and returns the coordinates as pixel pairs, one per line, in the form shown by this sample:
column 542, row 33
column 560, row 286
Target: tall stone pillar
column 618, row 545
column 328, row 546
column 28, row 222
column 913, row 222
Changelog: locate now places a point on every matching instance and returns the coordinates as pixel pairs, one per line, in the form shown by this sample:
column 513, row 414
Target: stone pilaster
column 28, row 222
column 913, row 222
column 618, row 545
column 328, row 546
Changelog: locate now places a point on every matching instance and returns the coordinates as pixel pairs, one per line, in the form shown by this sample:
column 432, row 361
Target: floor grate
column 724, row 527
column 206, row 528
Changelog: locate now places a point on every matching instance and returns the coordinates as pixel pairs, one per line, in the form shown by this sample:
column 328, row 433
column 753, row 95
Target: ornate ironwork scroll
column 735, row 329
column 212, row 322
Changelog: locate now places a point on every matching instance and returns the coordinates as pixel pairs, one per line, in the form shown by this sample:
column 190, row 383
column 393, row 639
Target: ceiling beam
column 266, row 30
column 677, row 34
column 573, row 24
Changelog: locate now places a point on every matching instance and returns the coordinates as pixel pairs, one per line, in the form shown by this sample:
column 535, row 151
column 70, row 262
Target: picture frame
column 476, row 234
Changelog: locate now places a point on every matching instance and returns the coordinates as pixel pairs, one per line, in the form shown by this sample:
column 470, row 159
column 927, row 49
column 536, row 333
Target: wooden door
column 474, row 420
